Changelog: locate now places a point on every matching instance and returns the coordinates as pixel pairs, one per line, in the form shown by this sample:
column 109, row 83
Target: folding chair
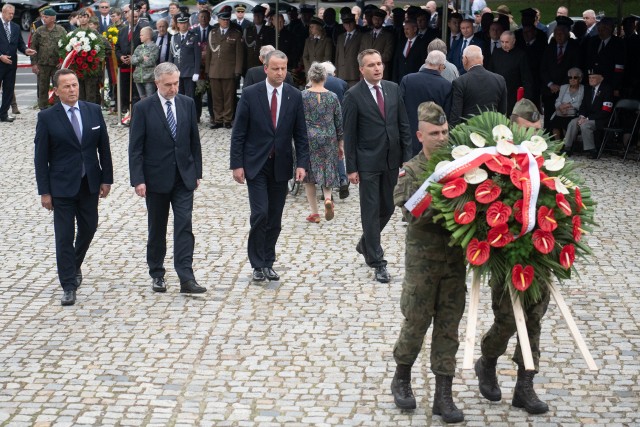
column 624, row 120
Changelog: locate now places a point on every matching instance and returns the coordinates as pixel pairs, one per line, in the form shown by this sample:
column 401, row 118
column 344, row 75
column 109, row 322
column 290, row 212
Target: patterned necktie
column 7, row 30
column 380, row 100
column 171, row 120
column 274, row 107
column 75, row 124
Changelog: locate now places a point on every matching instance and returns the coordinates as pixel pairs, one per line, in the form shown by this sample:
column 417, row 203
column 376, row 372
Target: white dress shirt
column 163, row 101
column 76, row 112
column 373, row 91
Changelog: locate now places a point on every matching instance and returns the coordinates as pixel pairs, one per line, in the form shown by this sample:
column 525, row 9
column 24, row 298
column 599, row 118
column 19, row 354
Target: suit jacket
column 154, row 156
column 197, row 30
column 123, row 45
column 455, row 53
column 59, row 156
column 165, row 57
column 253, row 134
column 600, row 107
column 320, row 51
column 103, row 27
column 610, row 60
column 186, row 54
column 347, row 56
column 412, row 62
column 11, row 47
column 383, row 43
column 416, row 88
column 477, row 90
column 337, row 86
column 257, row 74
column 253, row 42
column 552, row 71
column 245, row 23
column 514, row 67
column 373, row 143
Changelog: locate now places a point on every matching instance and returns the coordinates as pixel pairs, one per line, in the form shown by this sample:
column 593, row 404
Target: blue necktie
column 76, row 129
column 171, row 120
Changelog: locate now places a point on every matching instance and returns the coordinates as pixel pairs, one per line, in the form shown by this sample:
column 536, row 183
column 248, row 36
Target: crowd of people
column 380, row 91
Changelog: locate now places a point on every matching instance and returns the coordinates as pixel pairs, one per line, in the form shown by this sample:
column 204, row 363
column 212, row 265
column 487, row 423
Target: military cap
column 431, row 112
column 529, row 12
column 564, row 20
column 527, row 110
column 182, row 18
column 49, row 12
column 380, row 13
column 397, row 11
column 307, row 8
column 94, row 20
column 240, row 8
column 347, row 19
column 317, row 21
column 597, row 70
column 224, row 15
column 504, row 9
column 259, row 9
column 413, row 10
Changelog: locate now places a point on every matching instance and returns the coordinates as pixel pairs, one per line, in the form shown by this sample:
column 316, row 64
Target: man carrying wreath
column 434, row 286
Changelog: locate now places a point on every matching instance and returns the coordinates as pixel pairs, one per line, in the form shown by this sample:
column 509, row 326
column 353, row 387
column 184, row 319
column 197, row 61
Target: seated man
column 593, row 114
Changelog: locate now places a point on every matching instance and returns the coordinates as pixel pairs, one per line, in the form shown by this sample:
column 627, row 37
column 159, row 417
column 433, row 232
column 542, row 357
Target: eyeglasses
column 104, row 7
column 574, row 77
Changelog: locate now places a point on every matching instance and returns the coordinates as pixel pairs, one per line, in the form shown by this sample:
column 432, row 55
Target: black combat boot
column 443, row 402
column 487, row 379
column 524, row 396
column 401, row 388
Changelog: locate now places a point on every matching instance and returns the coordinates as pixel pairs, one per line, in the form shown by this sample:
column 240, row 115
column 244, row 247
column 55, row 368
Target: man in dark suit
column 607, row 53
column 257, row 74
column 467, row 38
column 163, row 40
column 425, row 85
column 10, row 42
column 347, row 49
column 410, row 52
column 377, row 141
column 165, row 163
column 73, row 168
column 594, row 113
column 128, row 40
column 269, row 115
column 478, row 89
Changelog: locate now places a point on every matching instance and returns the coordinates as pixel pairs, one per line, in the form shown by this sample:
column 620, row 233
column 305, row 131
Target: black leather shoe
column 7, row 119
column 78, row 278
column 158, row 284
column 191, row 287
column 359, row 248
column 215, row 126
column 344, row 190
column 227, row 126
column 382, row 275
column 270, row 274
column 258, row 275
column 592, row 154
column 68, row 298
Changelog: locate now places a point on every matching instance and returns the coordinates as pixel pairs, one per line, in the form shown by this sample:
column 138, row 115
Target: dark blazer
column 253, row 134
column 164, row 58
column 337, row 86
column 197, row 30
column 59, row 156
column 477, row 90
column 455, row 53
column 11, row 47
column 257, row 74
column 189, row 55
column 412, row 63
column 610, row 60
column 347, row 56
column 373, row 143
column 154, row 156
column 600, row 107
column 514, row 67
column 416, row 88
column 123, row 45
column 552, row 71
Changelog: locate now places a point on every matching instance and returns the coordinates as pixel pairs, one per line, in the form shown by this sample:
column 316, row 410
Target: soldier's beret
column 49, row 12
column 181, row 18
column 526, row 110
column 259, row 9
column 240, row 8
column 504, row 9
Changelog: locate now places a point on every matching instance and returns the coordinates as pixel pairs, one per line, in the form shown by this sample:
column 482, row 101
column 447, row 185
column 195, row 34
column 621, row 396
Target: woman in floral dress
column 324, row 126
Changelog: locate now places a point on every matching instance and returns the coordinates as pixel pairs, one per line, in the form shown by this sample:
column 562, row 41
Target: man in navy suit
column 73, row 168
column 410, row 53
column 165, row 164
column 268, row 116
column 10, row 42
column 377, row 141
column 467, row 38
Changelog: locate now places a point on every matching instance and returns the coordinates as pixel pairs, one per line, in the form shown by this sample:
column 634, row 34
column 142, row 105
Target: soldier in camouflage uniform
column 495, row 341
column 434, row 286
column 46, row 61
column 90, row 85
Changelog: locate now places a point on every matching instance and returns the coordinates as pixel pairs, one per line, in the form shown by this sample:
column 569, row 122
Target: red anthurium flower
column 579, row 204
column 567, row 256
column 477, row 252
column 517, row 178
column 499, row 236
column 521, row 277
column 467, row 215
column 546, row 219
column 520, row 161
column 498, row 213
column 577, row 231
column 540, row 161
column 487, row 192
column 543, row 241
column 500, row 164
column 454, row 188
column 547, row 181
column 562, row 203
column 517, row 210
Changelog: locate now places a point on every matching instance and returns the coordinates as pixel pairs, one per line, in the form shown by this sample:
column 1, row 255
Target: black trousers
column 376, row 208
column 266, row 199
column 180, row 199
column 549, row 104
column 127, row 97
column 198, row 101
column 8, row 79
column 83, row 209
column 187, row 87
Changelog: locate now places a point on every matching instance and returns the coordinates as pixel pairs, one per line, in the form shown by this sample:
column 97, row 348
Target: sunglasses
column 574, row 77
column 104, row 7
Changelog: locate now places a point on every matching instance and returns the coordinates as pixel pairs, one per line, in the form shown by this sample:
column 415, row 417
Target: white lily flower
column 560, row 187
column 442, row 164
column 80, row 34
column 477, row 139
column 476, row 176
column 502, row 133
column 554, row 163
column 536, row 146
column 506, row 148
column 460, row 151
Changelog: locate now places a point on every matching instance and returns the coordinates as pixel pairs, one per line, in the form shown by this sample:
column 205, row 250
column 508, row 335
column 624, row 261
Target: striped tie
column 171, row 120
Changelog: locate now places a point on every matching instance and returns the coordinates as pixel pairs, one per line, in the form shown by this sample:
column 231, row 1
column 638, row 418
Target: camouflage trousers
column 90, row 89
column 45, row 78
column 495, row 341
column 432, row 291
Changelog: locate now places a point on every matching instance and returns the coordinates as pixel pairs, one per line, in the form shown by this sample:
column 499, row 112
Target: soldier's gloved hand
column 195, row 77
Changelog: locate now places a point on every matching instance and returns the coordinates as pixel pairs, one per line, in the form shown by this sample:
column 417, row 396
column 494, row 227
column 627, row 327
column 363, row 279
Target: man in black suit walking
column 10, row 42
column 165, row 163
column 269, row 115
column 377, row 141
column 73, row 168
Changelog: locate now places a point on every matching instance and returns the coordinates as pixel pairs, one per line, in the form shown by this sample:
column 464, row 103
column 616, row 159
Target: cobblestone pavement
column 313, row 349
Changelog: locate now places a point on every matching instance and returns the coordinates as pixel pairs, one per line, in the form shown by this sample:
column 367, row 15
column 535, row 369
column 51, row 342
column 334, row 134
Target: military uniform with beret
column 45, row 43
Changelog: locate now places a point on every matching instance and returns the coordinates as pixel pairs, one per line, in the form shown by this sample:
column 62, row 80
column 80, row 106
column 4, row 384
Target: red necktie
column 274, row 107
column 380, row 99
column 408, row 49
column 560, row 54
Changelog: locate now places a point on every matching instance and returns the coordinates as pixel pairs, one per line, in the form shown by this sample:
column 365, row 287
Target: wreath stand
column 525, row 347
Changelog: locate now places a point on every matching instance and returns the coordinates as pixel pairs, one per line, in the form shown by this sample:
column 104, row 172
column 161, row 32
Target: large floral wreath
column 517, row 208
column 82, row 51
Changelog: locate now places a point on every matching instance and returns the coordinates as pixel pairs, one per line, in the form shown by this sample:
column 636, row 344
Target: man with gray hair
column 450, row 72
column 425, row 85
column 257, row 74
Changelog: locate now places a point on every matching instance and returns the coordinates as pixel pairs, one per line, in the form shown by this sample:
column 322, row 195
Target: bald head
column 471, row 55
